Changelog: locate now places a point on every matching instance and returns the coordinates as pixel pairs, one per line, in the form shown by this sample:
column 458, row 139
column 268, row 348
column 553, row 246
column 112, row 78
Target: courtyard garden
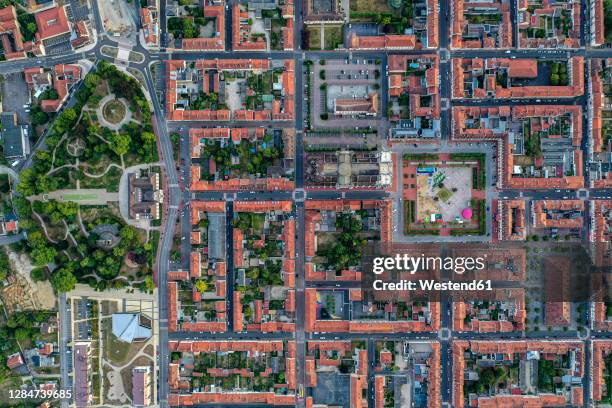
column 392, row 16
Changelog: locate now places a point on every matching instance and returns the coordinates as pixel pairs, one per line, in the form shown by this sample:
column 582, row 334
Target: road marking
column 173, row 207
column 174, row 185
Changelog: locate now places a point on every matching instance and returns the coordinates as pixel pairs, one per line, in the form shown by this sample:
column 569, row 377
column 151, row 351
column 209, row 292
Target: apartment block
column 549, row 24
column 414, row 100
column 481, row 25
column 264, row 266
column 197, row 298
column 242, row 158
column 407, row 371
column 538, row 145
column 475, row 362
column 334, row 219
column 204, row 372
column 502, row 78
column 230, row 89
column 501, row 311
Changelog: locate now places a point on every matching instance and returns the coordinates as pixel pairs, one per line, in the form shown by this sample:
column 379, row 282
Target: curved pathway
column 100, row 112
column 7, row 170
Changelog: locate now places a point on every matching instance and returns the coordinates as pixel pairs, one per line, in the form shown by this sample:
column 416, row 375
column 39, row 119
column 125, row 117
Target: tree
column 68, row 209
column 554, row 79
column 63, row 281
column 26, row 186
column 148, row 138
column 4, row 265
column 38, row 274
column 22, row 206
column 39, row 118
column 120, row 143
column 92, row 80
column 22, row 334
column 149, row 283
column 128, row 233
column 201, row 286
column 43, row 255
column 65, row 120
column 488, row 377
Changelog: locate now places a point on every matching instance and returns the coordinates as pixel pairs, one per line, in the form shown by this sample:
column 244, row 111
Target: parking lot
column 76, row 10
column 83, row 312
column 15, row 95
column 343, row 79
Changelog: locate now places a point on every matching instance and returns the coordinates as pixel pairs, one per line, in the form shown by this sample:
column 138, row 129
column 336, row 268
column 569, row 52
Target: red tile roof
column 10, row 27
column 51, row 23
column 512, row 347
column 15, row 360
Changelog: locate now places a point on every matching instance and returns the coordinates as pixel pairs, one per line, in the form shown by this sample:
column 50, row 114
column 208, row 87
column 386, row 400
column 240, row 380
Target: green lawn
column 333, row 37
column 444, row 194
column 314, row 38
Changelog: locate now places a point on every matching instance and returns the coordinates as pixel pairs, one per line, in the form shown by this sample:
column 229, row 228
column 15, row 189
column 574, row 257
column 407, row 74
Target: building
column 186, row 80
column 515, row 78
column 53, row 28
column 131, row 327
column 511, row 220
column 361, row 106
column 82, row 35
column 61, row 78
column 14, row 138
column 382, row 42
column 145, row 196
column 149, row 19
column 347, row 169
column 38, row 80
column 10, row 34
column 83, row 395
column 9, row 224
column 597, row 26
column 141, row 386
column 481, row 25
column 15, row 361
column 564, row 215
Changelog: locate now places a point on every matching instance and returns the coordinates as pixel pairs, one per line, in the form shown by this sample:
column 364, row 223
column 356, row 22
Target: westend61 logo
column 411, row 264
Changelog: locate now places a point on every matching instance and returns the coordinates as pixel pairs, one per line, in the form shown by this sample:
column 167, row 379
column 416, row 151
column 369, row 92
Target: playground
column 443, row 194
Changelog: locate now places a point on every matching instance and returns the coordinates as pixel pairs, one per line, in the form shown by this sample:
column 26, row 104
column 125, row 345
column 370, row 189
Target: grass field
column 79, row 197
column 314, row 38
column 114, row 111
column 333, row 37
column 371, row 6
column 444, row 194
